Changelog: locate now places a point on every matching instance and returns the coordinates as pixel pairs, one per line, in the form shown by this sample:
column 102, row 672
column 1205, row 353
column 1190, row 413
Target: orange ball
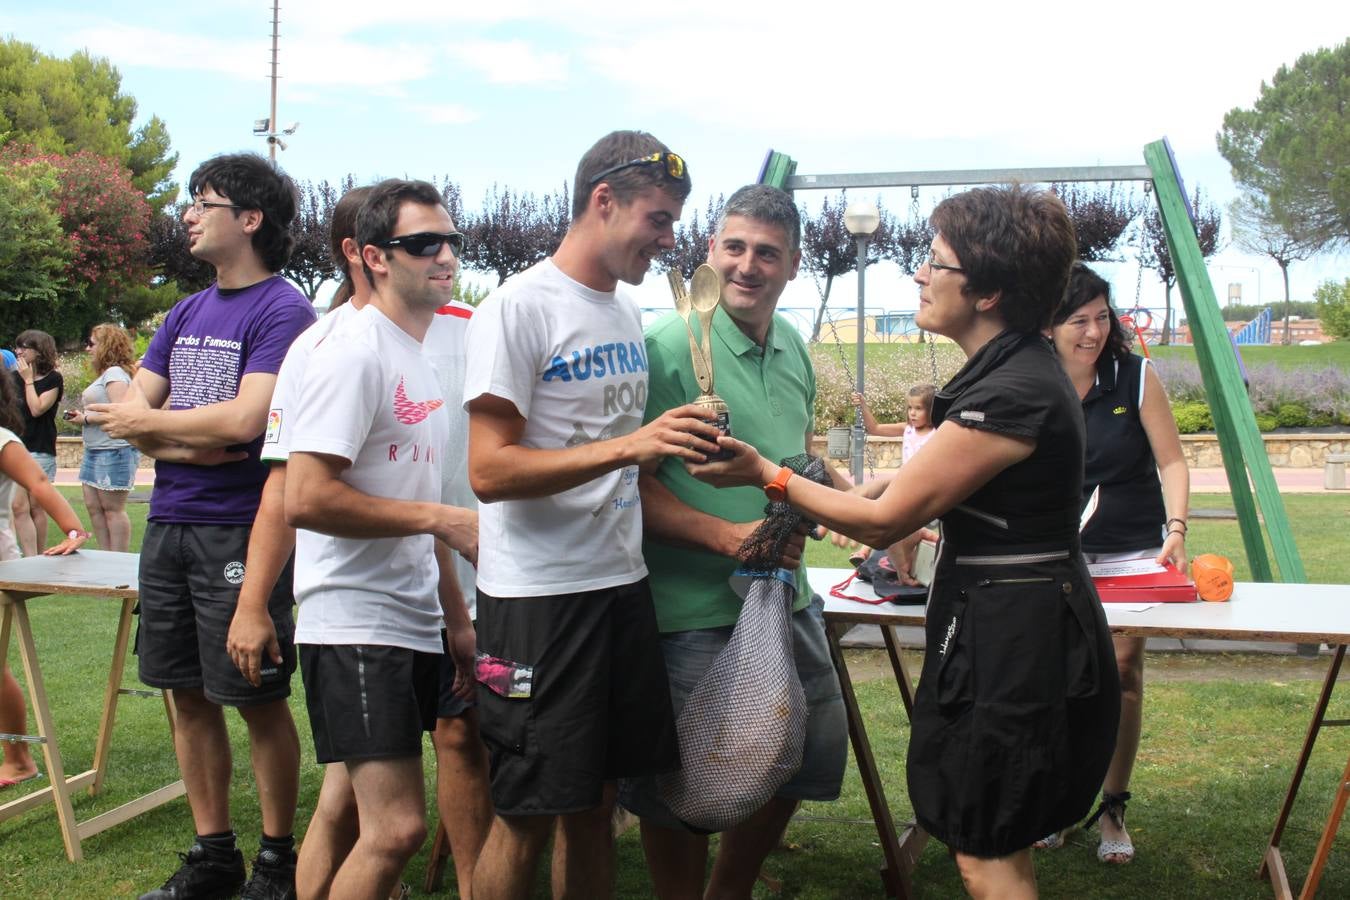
column 1213, row 576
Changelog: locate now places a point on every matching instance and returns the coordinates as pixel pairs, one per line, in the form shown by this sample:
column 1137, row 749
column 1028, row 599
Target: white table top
column 90, row 573
column 1294, row 613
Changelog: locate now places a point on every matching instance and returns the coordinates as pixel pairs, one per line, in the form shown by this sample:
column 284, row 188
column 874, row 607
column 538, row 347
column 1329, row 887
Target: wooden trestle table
column 98, row 575
column 1294, row 613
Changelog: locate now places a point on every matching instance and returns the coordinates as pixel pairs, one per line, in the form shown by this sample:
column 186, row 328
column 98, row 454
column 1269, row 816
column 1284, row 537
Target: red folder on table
column 1166, row 586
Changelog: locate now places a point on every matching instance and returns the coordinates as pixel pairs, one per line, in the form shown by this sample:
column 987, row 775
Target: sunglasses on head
column 673, row 162
column 426, row 244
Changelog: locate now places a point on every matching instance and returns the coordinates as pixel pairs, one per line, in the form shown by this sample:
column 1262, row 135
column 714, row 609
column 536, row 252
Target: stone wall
column 70, row 450
column 1298, row 451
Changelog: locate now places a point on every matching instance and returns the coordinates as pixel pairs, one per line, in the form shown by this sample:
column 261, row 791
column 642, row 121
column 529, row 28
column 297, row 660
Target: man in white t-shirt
column 374, row 580
column 461, row 759
column 573, row 693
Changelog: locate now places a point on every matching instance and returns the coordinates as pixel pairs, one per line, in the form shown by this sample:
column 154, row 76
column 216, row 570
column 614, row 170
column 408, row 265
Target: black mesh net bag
column 742, row 728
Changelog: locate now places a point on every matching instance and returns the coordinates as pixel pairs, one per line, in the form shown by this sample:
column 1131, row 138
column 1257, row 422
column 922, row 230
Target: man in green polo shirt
column 693, row 530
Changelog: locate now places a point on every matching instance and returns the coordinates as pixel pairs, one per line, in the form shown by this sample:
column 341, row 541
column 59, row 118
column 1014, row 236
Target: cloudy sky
column 512, row 92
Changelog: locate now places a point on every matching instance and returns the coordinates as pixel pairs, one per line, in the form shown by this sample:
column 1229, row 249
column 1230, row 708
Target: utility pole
column 269, row 128
column 272, row 117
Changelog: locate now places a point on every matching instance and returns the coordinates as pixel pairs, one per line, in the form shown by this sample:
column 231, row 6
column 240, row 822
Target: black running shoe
column 273, row 877
column 202, row 877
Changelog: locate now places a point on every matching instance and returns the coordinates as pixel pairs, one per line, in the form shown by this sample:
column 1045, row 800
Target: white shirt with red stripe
column 286, row 393
column 369, row 396
column 443, row 347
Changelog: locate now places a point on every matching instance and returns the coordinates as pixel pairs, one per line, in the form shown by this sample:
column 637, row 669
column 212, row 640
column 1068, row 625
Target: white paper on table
column 1132, row 607
column 1125, row 567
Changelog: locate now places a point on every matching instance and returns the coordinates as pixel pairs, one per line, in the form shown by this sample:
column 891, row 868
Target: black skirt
column 1016, row 712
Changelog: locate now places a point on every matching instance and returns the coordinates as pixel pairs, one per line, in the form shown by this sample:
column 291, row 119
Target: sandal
column 1052, row 841
column 11, row 782
column 1108, row 851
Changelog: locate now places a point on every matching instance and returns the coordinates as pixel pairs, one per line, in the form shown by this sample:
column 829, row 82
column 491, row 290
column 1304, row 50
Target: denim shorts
column 113, row 469
column 47, row 463
column 689, row 653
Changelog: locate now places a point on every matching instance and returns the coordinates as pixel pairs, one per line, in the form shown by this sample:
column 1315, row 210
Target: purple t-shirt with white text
column 207, row 344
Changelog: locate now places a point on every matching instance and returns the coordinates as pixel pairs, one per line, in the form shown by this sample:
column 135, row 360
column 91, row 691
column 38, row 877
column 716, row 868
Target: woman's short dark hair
column 615, row 149
column 1015, row 241
column 343, row 227
column 251, row 182
column 40, row 342
column 1085, row 286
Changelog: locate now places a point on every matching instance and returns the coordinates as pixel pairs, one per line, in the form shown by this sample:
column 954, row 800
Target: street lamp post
column 861, row 219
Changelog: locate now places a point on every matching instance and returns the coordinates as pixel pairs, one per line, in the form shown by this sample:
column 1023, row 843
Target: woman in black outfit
column 40, row 386
column 1016, row 712
column 1138, row 471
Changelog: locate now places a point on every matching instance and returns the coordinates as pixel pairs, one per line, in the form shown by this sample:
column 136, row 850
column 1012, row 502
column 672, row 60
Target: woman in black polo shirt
column 1136, row 467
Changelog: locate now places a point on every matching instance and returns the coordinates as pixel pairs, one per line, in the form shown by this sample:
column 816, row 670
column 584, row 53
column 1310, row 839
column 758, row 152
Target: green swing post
column 777, row 169
column 1240, row 442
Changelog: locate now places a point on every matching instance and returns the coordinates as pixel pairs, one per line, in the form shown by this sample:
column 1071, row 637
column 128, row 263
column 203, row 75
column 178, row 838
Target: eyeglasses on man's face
column 673, row 162
column 200, row 206
column 426, row 244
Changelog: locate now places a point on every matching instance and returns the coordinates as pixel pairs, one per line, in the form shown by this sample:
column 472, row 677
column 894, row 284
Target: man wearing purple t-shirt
column 215, row 361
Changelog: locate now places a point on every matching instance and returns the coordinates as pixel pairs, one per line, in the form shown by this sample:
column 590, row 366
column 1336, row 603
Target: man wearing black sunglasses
column 374, row 575
column 215, row 361
column 573, row 691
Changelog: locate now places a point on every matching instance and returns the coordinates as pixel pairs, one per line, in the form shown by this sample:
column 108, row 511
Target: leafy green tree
column 1333, row 307
column 1257, row 230
column 34, row 251
column 1155, row 255
column 64, row 106
column 1293, row 145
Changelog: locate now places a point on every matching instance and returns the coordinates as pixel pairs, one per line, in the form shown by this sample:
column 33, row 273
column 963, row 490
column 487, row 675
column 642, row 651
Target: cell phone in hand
column 68, row 414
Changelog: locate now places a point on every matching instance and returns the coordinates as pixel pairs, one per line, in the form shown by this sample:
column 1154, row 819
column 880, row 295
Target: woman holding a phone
column 108, row 471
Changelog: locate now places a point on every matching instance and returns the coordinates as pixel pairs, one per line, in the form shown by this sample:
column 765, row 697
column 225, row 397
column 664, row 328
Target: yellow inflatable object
column 1213, row 576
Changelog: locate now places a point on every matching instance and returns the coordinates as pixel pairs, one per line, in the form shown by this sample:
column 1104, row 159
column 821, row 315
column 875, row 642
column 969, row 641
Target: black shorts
column 448, row 706
column 189, row 585
column 598, row 705
column 368, row 701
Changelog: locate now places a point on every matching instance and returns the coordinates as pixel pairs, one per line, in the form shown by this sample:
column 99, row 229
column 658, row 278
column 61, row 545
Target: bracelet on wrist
column 1172, row 531
column 1182, row 522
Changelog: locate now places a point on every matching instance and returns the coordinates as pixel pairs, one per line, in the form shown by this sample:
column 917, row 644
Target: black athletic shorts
column 189, row 585
column 572, row 693
column 368, row 701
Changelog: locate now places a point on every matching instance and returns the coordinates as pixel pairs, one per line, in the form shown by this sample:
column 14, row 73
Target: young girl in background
column 919, row 413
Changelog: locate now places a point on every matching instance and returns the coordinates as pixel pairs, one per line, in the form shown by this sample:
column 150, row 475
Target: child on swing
column 916, row 431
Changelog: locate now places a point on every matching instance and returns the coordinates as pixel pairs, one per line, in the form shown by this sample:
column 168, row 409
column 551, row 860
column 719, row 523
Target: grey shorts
column 689, row 653
column 189, row 582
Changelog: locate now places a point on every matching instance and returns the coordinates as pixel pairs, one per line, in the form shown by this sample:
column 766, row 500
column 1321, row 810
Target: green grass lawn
column 1215, row 762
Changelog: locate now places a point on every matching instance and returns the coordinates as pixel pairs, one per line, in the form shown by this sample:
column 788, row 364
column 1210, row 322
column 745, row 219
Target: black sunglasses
column 673, row 162
column 426, row 244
